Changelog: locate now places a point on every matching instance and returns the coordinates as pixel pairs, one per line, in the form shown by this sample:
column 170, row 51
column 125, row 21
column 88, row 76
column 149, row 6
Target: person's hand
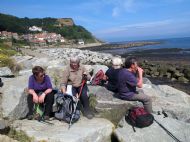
column 77, row 95
column 35, row 98
column 140, row 70
column 42, row 97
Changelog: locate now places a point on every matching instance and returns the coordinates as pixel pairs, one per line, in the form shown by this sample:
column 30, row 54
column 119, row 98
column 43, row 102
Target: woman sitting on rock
column 75, row 73
column 40, row 92
column 111, row 74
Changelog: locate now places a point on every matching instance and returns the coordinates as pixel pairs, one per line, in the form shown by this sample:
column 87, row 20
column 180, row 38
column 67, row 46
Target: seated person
column 75, row 73
column 127, row 83
column 111, row 74
column 40, row 92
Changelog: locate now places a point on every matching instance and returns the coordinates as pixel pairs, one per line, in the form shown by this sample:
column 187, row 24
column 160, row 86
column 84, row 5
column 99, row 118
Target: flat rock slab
column 155, row 133
column 94, row 130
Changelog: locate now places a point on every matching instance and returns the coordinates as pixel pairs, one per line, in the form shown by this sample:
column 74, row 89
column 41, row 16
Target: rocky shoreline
column 118, row 45
column 174, row 62
column 109, row 124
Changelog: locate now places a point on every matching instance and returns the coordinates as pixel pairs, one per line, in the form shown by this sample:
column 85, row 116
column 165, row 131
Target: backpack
column 97, row 79
column 65, row 108
column 139, row 117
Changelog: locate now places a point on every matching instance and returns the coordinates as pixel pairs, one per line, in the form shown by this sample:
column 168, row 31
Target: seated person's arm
column 49, row 90
column 63, row 89
column 140, row 78
column 85, row 72
column 63, row 86
column 33, row 93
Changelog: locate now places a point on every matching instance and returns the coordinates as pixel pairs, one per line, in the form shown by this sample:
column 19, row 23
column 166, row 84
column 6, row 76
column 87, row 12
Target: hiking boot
column 30, row 117
column 88, row 114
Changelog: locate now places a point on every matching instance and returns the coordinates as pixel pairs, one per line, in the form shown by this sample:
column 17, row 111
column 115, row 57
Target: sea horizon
column 183, row 41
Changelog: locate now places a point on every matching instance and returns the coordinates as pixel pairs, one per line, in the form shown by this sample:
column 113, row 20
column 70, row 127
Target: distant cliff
column 64, row 26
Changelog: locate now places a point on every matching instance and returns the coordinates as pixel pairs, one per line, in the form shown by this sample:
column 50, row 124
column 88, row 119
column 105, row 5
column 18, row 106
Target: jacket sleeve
column 65, row 76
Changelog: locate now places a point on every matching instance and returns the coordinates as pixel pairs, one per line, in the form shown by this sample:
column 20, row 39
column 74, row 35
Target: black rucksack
column 66, row 108
column 139, row 117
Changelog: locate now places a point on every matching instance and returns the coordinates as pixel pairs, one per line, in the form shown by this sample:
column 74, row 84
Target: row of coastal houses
column 36, row 39
column 43, row 38
column 8, row 35
column 36, row 36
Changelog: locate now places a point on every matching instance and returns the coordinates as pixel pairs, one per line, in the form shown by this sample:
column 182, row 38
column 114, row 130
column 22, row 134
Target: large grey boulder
column 43, row 62
column 25, row 61
column 174, row 102
column 14, row 99
column 56, row 74
column 107, row 104
column 21, row 59
column 154, row 133
column 25, row 72
column 94, row 130
column 5, row 71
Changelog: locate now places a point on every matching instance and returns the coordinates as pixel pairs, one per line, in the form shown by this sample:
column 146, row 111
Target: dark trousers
column 83, row 97
column 47, row 105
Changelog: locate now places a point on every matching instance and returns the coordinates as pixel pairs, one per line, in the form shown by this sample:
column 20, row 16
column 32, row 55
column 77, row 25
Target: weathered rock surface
column 86, row 56
column 174, row 102
column 13, row 101
column 107, row 105
column 5, row 71
column 4, row 138
column 94, row 130
column 154, row 133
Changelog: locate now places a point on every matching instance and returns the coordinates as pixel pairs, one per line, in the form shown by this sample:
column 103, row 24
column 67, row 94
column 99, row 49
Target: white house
column 35, row 28
column 80, row 42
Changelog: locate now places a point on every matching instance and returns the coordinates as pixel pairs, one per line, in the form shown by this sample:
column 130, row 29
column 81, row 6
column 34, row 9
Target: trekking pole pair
column 78, row 96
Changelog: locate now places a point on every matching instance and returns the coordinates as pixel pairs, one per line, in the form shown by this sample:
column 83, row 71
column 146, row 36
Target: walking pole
column 83, row 82
column 168, row 132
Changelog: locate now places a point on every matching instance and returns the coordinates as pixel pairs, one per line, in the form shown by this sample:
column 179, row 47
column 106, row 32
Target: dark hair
column 37, row 69
column 129, row 61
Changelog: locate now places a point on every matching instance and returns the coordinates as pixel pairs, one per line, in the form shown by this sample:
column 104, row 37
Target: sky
column 112, row 20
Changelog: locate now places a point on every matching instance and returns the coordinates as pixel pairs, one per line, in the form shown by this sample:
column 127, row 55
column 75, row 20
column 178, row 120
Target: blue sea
column 181, row 43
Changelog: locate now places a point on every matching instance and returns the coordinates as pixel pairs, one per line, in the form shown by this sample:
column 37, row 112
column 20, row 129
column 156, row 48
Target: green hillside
column 63, row 26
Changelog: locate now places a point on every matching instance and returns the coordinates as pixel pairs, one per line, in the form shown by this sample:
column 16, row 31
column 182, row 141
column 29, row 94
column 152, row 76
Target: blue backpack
column 65, row 108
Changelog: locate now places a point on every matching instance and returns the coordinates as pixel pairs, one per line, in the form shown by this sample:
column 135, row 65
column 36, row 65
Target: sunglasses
column 40, row 76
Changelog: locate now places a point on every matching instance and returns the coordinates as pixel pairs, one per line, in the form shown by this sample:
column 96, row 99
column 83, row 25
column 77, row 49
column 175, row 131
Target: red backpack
column 139, row 117
column 97, row 79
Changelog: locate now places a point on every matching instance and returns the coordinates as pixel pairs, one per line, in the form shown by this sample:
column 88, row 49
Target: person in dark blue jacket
column 111, row 74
